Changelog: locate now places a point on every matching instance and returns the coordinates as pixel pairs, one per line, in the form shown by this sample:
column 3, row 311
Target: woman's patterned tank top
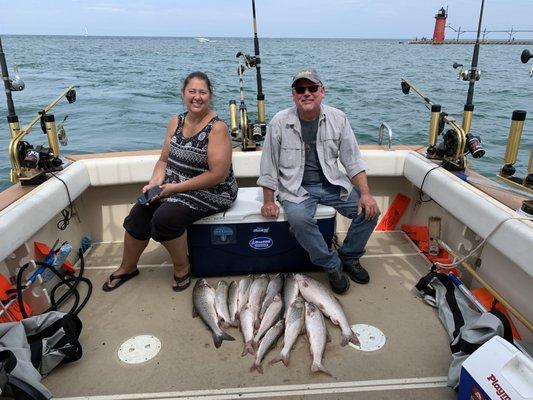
column 187, row 158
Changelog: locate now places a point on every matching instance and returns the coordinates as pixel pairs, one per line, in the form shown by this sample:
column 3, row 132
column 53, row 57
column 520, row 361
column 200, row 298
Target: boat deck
column 413, row 364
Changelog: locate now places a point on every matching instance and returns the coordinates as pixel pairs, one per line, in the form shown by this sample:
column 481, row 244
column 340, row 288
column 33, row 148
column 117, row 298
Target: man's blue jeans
column 302, row 221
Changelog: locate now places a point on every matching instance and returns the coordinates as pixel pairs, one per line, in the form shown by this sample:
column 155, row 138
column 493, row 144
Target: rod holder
column 51, row 133
column 467, row 117
column 513, row 143
column 433, row 129
column 234, row 126
column 261, row 109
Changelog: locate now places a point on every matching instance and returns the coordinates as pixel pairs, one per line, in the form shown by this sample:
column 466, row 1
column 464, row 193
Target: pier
column 518, row 42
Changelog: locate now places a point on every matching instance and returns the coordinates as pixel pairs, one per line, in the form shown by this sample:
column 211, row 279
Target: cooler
column 241, row 241
column 497, row 370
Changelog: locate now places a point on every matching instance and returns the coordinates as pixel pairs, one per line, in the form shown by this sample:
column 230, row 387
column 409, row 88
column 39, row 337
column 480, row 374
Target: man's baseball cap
column 309, row 74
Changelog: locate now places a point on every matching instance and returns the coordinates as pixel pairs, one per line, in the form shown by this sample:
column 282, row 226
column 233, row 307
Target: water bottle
column 57, row 261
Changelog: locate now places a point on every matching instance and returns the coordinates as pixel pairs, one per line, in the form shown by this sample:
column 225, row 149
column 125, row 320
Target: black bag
column 31, row 348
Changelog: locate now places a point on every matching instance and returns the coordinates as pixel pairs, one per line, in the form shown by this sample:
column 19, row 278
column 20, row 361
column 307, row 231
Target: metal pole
column 7, row 83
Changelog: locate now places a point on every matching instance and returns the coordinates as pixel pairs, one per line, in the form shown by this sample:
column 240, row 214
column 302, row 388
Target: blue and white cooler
column 242, row 241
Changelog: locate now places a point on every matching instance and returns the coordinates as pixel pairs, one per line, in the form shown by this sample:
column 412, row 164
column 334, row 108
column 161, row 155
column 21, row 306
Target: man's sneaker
column 338, row 281
column 357, row 273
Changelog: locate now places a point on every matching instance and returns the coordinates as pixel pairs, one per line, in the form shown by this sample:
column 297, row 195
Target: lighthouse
column 440, row 25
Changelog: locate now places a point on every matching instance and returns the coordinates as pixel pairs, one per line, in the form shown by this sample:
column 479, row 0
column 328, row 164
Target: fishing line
column 480, row 244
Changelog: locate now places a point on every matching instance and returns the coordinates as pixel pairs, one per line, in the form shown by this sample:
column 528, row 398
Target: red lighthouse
column 440, row 25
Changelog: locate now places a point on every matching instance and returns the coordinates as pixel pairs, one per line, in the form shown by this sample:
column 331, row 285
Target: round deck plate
column 139, row 349
column 370, row 337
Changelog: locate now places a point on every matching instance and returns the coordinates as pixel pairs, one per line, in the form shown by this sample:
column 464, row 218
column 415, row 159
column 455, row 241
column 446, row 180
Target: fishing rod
column 241, row 129
column 473, row 143
column 8, row 85
column 29, row 163
column 260, row 94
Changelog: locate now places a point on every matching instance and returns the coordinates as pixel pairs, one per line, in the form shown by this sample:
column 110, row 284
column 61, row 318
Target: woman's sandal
column 121, row 279
column 180, row 280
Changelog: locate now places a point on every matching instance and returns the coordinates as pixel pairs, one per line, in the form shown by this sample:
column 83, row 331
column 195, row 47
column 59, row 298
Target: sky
column 275, row 18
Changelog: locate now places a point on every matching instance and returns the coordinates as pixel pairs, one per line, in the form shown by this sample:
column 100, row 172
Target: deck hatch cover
column 370, row 337
column 139, row 349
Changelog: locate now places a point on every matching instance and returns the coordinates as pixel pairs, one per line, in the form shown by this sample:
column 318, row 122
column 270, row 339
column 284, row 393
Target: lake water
column 129, row 87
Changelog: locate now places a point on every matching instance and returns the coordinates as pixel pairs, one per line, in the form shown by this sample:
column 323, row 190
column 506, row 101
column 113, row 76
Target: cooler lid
column 247, row 209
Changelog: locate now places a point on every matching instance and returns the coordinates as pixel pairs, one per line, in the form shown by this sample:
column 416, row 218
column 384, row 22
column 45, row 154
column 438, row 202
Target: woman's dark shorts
column 161, row 220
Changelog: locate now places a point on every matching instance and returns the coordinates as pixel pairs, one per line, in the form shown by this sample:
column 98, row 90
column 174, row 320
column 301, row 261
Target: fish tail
column 280, row 357
column 218, row 338
column 319, row 367
column 285, row 359
column 248, row 348
column 349, row 338
column 256, row 367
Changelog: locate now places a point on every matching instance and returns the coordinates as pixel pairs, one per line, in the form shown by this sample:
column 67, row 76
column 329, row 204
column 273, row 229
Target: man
column 300, row 162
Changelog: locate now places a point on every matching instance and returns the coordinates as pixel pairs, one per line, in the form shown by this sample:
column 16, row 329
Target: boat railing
column 382, row 127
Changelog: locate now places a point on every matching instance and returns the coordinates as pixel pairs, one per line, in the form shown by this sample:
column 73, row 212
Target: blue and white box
column 496, row 371
column 242, row 241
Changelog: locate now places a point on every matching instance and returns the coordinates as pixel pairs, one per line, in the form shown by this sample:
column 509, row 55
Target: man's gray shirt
column 283, row 157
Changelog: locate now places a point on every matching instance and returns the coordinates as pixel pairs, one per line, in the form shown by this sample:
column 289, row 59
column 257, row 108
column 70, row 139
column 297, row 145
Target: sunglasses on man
column 302, row 89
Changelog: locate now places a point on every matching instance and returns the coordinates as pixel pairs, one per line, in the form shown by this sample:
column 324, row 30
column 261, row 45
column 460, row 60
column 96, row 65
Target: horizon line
column 231, row 37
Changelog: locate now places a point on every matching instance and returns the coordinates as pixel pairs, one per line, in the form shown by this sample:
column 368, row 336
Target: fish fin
column 225, row 324
column 285, row 359
column 345, row 339
column 248, row 348
column 257, row 324
column 334, row 321
column 320, row 306
column 217, row 339
column 256, row 367
column 227, row 336
column 276, row 359
column 305, row 284
column 316, row 367
column 328, row 336
column 194, row 312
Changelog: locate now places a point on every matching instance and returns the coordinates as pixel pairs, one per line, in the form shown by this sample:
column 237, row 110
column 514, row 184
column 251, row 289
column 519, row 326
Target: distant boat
column 204, row 40
column 86, row 32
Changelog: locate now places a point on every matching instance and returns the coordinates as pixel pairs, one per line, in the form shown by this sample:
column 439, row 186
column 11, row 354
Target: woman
column 195, row 175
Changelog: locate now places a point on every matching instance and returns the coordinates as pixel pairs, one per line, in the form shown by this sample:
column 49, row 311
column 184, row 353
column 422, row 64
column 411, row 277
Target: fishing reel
column 31, row 163
column 467, row 74
column 16, row 84
column 38, row 157
column 249, row 61
column 241, row 129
